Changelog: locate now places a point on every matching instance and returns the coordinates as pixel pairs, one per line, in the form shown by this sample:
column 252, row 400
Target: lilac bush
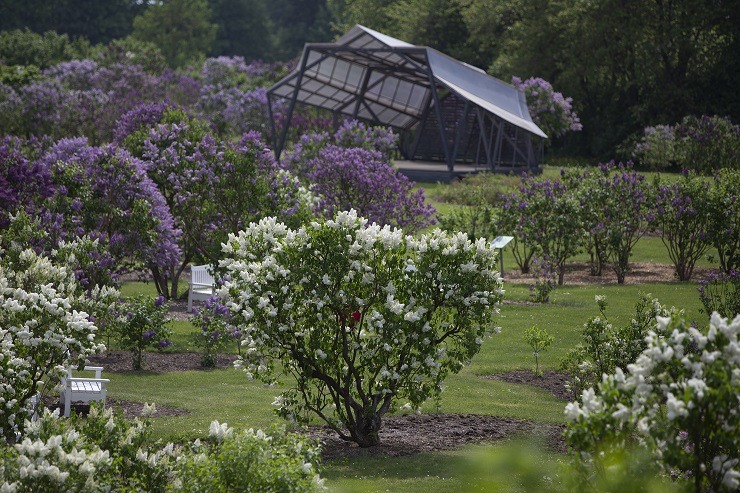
column 678, row 402
column 720, row 292
column 142, row 323
column 547, row 218
column 616, row 207
column 215, row 330
column 24, row 184
column 550, row 110
column 211, row 187
column 682, row 217
column 105, row 192
column 353, row 133
column 703, row 143
column 360, row 315
column 355, row 178
column 724, row 218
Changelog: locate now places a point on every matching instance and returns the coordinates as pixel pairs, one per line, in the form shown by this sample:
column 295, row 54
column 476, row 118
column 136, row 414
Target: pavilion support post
column 361, row 94
column 482, row 137
column 460, row 129
column 499, row 142
column 291, row 107
column 273, row 128
column 420, row 130
column 438, row 111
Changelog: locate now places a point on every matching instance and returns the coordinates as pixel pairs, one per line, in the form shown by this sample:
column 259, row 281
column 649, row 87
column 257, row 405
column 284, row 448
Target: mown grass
column 229, row 396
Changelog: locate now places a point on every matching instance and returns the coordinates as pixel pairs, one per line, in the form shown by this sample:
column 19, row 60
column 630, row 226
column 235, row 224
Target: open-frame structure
column 445, row 110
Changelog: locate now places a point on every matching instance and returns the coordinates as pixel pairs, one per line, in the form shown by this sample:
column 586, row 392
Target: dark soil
column 551, row 381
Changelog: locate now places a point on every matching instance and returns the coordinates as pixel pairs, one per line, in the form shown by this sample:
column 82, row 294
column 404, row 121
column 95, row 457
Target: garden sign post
column 500, row 242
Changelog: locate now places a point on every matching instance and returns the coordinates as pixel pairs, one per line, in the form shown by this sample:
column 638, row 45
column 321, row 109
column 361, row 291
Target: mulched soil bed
column 410, row 434
column 551, row 381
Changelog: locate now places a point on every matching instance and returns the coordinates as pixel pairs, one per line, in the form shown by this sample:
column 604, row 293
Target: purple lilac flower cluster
column 549, row 109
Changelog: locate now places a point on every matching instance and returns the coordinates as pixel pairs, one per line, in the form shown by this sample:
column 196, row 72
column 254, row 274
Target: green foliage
column 724, row 218
column 249, row 460
column 683, row 218
column 244, row 29
column 721, row 293
column 606, row 348
column 182, row 29
column 23, row 47
column 142, row 323
column 360, row 316
column 539, row 340
column 106, row 452
column 214, row 330
column 678, row 403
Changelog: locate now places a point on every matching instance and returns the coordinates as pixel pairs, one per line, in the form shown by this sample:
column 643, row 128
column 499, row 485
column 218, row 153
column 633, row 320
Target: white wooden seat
column 202, row 284
column 76, row 389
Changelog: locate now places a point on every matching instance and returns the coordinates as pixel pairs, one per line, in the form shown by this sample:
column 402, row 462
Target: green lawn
column 228, row 396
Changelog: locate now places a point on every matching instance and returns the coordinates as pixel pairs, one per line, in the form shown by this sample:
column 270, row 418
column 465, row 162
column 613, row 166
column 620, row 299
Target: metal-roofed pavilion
column 445, row 110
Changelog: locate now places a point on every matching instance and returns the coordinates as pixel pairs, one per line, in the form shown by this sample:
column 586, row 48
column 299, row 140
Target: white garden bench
column 76, row 389
column 202, row 284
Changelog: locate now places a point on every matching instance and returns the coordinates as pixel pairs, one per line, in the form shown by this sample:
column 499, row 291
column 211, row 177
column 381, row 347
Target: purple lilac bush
column 682, row 217
column 356, row 178
column 549, row 109
column 104, row 192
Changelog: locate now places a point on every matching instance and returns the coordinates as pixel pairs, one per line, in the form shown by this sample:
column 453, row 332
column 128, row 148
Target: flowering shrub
column 682, row 216
column 353, row 133
column 44, row 328
column 249, row 460
column 212, row 187
column 539, row 340
column 550, row 110
column 23, row 183
column 354, row 178
column 106, row 452
column 141, row 323
column 215, row 330
column 606, row 348
column 545, row 216
column 679, row 399
column 703, row 144
column 360, row 315
column 354, row 172
column 616, row 199
column 721, row 293
column 545, row 278
column 657, row 148
column 724, row 218
column 709, row 143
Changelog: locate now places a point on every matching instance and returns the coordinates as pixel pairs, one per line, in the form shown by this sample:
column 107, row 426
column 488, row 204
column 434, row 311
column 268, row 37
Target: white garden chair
column 202, row 285
column 81, row 389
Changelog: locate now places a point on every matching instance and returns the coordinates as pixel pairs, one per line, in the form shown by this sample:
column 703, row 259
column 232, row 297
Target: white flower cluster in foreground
column 682, row 398
column 43, row 330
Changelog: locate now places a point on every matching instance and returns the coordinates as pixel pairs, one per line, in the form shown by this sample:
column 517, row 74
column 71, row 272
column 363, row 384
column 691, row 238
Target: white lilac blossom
column 681, row 397
column 336, row 304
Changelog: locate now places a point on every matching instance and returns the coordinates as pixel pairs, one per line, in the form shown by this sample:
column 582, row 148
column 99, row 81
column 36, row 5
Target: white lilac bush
column 680, row 401
column 360, row 316
column 45, row 326
column 106, row 452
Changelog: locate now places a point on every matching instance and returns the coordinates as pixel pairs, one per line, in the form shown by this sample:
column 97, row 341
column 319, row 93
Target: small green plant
column 543, row 270
column 142, row 323
column 721, row 293
column 539, row 340
column 214, row 332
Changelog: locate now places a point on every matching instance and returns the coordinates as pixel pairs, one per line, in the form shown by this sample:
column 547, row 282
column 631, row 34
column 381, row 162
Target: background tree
column 244, row 29
column 296, row 22
column 182, row 29
column 98, row 22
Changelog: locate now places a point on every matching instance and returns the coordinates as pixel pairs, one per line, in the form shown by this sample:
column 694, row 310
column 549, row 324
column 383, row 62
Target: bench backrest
column 199, row 274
